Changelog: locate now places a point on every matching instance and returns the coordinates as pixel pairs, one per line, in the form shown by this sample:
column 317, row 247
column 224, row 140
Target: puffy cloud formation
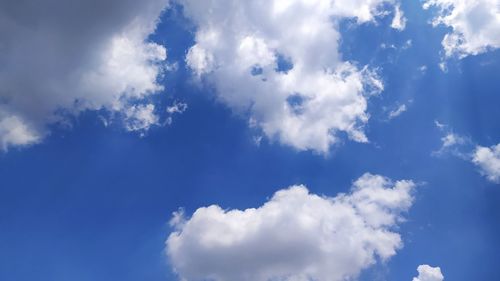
column 488, row 161
column 428, row 273
column 58, row 58
column 475, row 25
column 278, row 62
column 296, row 235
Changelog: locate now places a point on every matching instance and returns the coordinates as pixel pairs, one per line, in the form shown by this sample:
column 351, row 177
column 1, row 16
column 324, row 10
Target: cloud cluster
column 296, row 235
column 279, row 63
column 486, row 158
column 475, row 25
column 428, row 273
column 488, row 161
column 59, row 58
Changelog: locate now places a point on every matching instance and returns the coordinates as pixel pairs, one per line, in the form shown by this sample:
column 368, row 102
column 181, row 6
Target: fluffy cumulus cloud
column 59, row 58
column 296, row 235
column 428, row 273
column 278, row 61
column 474, row 24
column 488, row 161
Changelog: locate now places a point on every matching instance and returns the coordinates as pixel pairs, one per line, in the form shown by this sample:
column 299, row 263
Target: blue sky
column 93, row 202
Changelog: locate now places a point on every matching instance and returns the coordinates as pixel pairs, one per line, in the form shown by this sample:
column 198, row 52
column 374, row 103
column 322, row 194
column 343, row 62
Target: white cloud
column 176, row 108
column 296, row 235
column 451, row 139
column 407, row 44
column 14, row 131
column 398, row 111
column 423, row 69
column 428, row 273
column 140, row 117
column 488, row 160
column 443, row 67
column 451, row 142
column 61, row 58
column 439, row 125
column 475, row 25
column 399, row 20
column 278, row 62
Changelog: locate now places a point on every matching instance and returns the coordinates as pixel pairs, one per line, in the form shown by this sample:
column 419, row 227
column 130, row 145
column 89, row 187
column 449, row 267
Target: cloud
column 398, row 111
column 140, row 117
column 58, row 59
column 439, row 125
column 176, row 108
column 399, row 20
column 474, row 24
column 423, row 69
column 278, row 63
column 451, row 142
column 488, row 161
column 451, row 139
column 428, row 273
column 486, row 158
column 296, row 235
column 13, row 131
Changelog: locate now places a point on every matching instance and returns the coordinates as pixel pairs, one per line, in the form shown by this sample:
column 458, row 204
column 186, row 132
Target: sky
column 323, row 140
